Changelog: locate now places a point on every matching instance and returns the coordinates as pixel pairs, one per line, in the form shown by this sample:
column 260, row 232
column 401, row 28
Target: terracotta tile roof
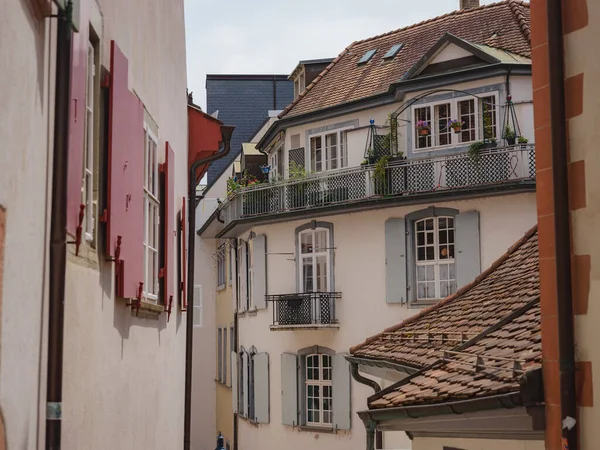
column 508, row 285
column 503, row 25
column 485, row 368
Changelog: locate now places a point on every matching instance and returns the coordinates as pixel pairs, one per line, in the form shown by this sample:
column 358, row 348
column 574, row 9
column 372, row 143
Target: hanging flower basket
column 423, row 128
column 456, row 125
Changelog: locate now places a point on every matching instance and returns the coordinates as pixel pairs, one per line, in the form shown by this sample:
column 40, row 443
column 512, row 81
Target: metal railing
column 402, row 177
column 311, row 308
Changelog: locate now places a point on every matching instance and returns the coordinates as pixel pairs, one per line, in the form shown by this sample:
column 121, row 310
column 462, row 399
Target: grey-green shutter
column 289, row 389
column 341, row 392
column 232, row 256
column 234, row 382
column 244, row 381
column 261, row 387
column 468, row 254
column 243, row 264
column 395, row 261
column 259, row 284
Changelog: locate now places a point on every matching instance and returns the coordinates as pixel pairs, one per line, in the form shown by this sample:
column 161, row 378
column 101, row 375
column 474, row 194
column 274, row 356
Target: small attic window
column 393, row 51
column 367, row 56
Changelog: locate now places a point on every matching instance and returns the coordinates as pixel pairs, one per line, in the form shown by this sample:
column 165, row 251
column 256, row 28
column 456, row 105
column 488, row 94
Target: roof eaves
column 454, row 296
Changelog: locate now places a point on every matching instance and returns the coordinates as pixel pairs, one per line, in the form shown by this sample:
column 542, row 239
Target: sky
column 271, row 36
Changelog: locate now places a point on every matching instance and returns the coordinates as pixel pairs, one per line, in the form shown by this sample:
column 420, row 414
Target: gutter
column 565, row 318
column 226, row 132
column 58, row 231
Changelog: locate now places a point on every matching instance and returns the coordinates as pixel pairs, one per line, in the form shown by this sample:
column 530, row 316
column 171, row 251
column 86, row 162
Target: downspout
column 566, row 340
column 226, row 132
column 374, row 437
column 58, row 231
column 235, row 345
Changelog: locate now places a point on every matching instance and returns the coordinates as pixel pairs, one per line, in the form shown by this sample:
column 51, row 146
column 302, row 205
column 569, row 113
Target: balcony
column 495, row 169
column 304, row 311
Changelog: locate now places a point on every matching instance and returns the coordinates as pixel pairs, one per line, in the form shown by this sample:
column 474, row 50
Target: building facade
column 383, row 199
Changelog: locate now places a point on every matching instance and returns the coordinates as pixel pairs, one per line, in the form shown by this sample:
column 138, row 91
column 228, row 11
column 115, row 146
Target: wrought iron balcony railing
column 403, row 177
column 304, row 310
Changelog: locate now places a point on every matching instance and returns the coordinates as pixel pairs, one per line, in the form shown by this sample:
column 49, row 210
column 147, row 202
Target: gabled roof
column 494, row 363
column 509, row 284
column 503, row 25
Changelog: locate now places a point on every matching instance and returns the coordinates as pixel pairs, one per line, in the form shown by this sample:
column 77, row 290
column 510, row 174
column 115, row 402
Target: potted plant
column 475, row 150
column 380, row 176
column 522, row 142
column 423, row 128
column 509, row 135
column 456, row 125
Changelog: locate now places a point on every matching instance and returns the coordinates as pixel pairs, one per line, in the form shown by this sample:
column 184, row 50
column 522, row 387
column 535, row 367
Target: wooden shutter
column 234, row 269
column 244, row 380
column 261, row 387
column 289, row 389
column 243, row 265
column 341, row 392
column 183, row 287
column 77, row 118
column 168, row 262
column 259, row 284
column 395, row 261
column 468, row 254
column 125, row 198
column 234, row 382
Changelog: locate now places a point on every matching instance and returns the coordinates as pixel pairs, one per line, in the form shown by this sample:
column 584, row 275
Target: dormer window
column 299, row 84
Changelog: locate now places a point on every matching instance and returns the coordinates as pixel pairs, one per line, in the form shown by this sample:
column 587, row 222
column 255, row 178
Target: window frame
column 314, row 257
column 321, row 383
column 198, row 308
column 250, row 273
column 313, row 226
column 325, row 158
column 221, row 267
column 301, row 385
column 151, row 201
column 89, row 155
column 455, row 139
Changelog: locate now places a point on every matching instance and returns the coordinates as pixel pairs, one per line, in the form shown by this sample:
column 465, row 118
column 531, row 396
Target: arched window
column 318, row 389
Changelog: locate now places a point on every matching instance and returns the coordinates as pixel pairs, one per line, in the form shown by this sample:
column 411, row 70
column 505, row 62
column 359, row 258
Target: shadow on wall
column 38, row 28
column 3, row 444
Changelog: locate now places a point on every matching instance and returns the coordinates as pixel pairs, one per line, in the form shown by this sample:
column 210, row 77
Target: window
column 221, row 267
column 224, row 358
column 435, row 263
column 277, row 164
column 230, row 265
column 151, row 214
column 393, row 51
column 329, row 151
column 314, row 260
column 367, row 56
column 231, row 349
column 89, row 154
column 219, row 354
column 250, row 385
column 250, row 252
column 197, row 305
column 318, row 390
column 478, row 117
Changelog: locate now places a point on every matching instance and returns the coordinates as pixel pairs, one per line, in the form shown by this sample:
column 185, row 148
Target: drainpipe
column 374, row 437
column 226, row 132
column 58, row 231
column 235, row 345
column 566, row 340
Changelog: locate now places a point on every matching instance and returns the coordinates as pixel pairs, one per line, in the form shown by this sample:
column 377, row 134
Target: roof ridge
column 315, row 81
column 454, row 296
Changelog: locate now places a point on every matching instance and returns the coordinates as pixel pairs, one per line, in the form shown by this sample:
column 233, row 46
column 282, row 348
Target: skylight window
column 367, row 56
column 393, row 51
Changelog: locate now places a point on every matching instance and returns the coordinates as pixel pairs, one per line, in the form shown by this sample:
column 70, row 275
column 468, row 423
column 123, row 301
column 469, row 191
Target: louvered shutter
column 234, row 270
column 77, row 119
column 243, row 265
column 289, row 389
column 244, row 380
column 261, row 387
column 168, row 269
column 234, row 382
column 259, row 284
column 183, row 287
column 468, row 254
column 341, row 392
column 395, row 261
column 125, row 200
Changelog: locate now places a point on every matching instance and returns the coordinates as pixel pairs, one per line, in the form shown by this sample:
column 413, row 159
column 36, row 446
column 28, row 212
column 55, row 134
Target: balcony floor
column 309, row 327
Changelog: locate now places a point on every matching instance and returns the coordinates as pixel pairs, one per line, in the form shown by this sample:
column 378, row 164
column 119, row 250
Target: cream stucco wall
column 360, row 276
column 27, row 52
column 124, row 375
column 476, row 444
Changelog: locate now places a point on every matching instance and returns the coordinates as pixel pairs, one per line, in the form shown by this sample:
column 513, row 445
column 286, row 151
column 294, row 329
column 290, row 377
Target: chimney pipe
column 469, row 4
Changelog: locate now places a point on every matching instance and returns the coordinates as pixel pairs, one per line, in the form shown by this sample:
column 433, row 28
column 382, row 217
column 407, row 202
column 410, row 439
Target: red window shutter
column 168, row 269
column 183, row 287
column 77, row 113
column 125, row 194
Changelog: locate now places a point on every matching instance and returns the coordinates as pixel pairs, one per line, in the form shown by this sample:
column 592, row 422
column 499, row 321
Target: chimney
column 469, row 4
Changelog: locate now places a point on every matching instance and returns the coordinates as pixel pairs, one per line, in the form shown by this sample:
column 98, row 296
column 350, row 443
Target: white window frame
column 151, row 208
column 313, row 256
column 325, row 161
column 239, row 276
column 221, row 267
column 321, row 384
column 436, row 262
column 197, row 305
column 455, row 139
column 87, row 187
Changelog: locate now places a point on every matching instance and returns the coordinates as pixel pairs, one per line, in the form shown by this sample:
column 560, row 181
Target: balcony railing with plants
column 479, row 167
column 312, row 309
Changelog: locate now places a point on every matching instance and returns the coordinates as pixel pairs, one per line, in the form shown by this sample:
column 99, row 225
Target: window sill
column 423, row 303
column 253, row 311
column 315, row 429
column 148, row 310
column 221, row 287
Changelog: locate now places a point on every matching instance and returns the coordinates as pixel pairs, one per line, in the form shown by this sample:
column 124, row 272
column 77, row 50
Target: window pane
column 322, row 273
column 344, row 148
column 466, row 112
column 429, row 253
column 332, row 153
column 320, row 240
column 421, row 273
column 421, row 254
column 422, row 115
column 307, row 275
column 306, row 245
column 443, row 131
column 316, row 154
column 488, row 105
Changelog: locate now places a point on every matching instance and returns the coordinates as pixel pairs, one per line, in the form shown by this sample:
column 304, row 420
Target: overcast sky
column 271, row 36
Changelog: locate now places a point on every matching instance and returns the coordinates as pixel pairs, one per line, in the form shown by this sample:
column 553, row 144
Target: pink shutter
column 183, row 287
column 77, row 113
column 168, row 269
column 125, row 199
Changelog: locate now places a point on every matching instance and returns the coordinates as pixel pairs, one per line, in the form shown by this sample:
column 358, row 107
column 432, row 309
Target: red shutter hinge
column 169, row 308
column 137, row 302
column 106, row 81
column 79, row 229
column 104, row 217
column 162, row 167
